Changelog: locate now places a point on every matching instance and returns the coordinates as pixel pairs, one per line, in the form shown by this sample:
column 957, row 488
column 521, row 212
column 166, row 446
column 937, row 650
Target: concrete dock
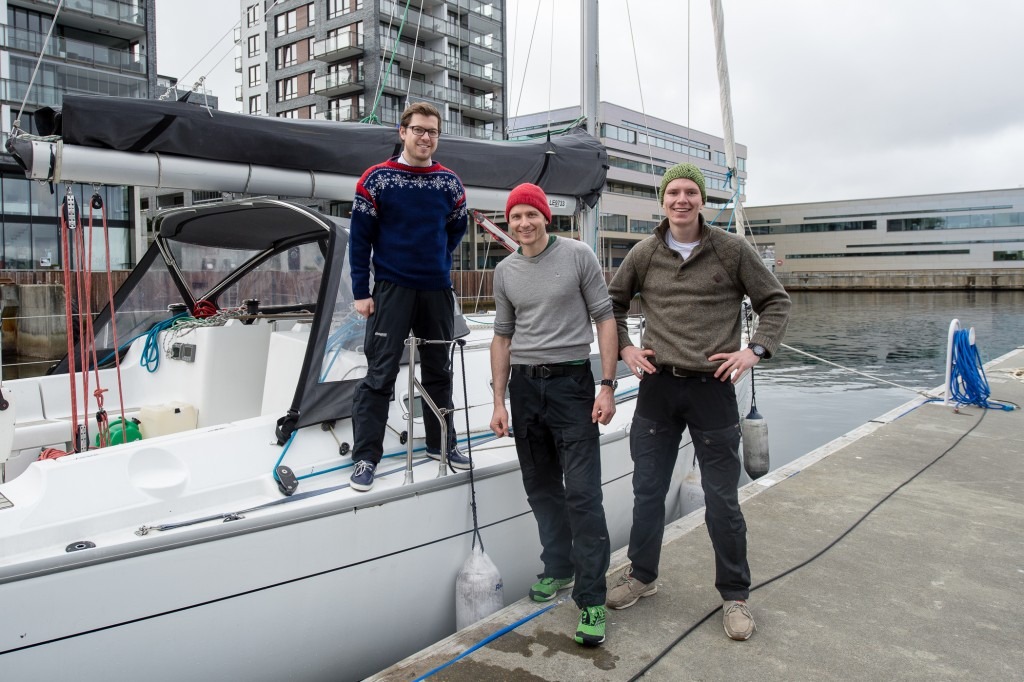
column 928, row 586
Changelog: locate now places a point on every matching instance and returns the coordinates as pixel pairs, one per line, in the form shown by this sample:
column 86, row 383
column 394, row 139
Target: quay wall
column 903, row 280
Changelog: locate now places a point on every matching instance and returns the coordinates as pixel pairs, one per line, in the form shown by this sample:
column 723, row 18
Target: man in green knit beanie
column 691, row 279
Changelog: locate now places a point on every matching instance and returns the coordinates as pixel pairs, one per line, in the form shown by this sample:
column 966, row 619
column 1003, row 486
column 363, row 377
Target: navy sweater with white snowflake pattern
column 409, row 220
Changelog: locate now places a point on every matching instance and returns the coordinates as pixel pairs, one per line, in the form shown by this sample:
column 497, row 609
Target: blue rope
column 485, row 438
column 968, row 383
column 732, row 199
column 487, row 640
column 151, row 350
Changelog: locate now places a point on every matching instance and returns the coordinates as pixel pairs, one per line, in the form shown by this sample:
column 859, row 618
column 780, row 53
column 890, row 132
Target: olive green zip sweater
column 692, row 307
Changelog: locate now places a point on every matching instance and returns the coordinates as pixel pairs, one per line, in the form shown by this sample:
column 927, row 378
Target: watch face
column 758, row 350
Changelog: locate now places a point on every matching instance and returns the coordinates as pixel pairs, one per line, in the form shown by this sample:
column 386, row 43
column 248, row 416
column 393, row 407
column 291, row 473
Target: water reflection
column 898, row 336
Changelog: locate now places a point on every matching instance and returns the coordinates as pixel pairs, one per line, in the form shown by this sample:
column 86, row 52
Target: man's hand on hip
column 637, row 360
column 734, row 364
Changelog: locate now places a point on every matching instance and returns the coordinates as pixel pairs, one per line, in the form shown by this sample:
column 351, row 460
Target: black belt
column 548, row 371
column 685, row 373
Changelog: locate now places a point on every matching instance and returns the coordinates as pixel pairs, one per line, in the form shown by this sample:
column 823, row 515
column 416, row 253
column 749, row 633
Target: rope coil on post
column 968, row 384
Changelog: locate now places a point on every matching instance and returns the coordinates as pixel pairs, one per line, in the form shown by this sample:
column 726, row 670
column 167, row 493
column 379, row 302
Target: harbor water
column 897, row 336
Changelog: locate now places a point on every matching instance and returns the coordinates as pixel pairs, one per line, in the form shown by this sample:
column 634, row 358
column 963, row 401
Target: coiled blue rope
column 968, row 383
column 151, row 349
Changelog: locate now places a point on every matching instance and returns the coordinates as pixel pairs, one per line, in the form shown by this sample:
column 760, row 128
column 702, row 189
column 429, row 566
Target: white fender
column 479, row 591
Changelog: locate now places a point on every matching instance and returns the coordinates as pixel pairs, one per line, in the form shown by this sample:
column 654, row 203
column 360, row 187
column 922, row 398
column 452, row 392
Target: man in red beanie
column 546, row 295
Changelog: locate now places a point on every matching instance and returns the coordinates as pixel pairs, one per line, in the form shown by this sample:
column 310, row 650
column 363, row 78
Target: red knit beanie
column 531, row 195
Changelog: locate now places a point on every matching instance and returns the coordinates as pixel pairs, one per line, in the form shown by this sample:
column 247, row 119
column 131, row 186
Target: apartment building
column 353, row 60
column 99, row 47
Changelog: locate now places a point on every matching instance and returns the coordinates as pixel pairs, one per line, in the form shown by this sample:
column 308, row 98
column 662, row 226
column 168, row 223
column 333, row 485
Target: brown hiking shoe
column 628, row 590
column 739, row 624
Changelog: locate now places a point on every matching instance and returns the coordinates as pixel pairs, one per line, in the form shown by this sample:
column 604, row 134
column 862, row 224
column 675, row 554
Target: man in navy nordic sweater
column 408, row 216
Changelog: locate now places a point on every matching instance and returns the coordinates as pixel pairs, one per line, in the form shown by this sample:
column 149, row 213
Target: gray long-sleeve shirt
column 545, row 303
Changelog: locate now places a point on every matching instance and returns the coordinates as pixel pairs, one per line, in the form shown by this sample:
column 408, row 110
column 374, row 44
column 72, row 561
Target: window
column 974, row 220
column 613, row 222
column 256, row 105
column 287, row 55
column 338, row 7
column 254, row 76
column 255, row 45
column 287, row 88
column 252, row 15
column 286, row 23
column 1008, row 255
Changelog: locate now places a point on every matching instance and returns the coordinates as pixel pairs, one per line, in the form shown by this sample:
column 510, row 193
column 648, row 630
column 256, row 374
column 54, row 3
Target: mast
column 718, row 20
column 589, row 86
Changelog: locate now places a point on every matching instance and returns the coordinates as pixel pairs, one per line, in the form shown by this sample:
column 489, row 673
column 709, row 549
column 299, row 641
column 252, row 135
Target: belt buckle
column 543, row 371
column 683, row 374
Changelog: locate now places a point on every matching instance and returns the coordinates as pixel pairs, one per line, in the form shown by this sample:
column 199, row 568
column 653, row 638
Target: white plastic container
column 160, row 420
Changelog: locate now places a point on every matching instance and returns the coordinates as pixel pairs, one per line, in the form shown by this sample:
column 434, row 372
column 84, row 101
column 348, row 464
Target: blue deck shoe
column 455, row 456
column 362, row 477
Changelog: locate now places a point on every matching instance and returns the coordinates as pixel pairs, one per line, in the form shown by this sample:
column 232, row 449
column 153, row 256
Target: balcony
column 341, row 82
column 410, row 54
column 475, row 132
column 127, row 15
column 238, row 93
column 238, row 65
column 485, row 9
column 71, row 50
column 483, row 73
column 489, row 107
column 427, row 26
column 336, row 48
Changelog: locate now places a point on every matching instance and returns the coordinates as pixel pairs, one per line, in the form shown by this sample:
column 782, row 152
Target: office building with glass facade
column 962, row 239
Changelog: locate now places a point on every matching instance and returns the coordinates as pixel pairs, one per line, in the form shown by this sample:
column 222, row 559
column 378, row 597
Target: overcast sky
column 846, row 99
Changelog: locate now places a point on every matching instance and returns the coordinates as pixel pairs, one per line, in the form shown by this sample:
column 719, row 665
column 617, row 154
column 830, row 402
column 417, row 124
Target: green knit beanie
column 683, row 170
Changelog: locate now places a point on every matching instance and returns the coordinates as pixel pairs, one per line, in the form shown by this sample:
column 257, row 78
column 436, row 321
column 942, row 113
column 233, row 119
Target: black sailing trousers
column 430, row 315
column 666, row 405
column 560, row 457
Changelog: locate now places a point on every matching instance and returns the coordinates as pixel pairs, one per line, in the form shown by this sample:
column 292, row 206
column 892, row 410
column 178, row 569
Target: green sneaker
column 590, row 630
column 547, row 588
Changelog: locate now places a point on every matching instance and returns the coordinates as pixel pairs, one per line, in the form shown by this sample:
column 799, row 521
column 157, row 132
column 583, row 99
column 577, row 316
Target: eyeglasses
column 432, row 133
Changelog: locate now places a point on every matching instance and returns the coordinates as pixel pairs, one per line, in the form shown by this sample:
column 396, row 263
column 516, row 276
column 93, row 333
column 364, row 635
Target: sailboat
column 226, row 543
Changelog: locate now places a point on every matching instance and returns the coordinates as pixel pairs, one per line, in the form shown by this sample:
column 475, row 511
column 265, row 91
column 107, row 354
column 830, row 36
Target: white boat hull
column 328, row 584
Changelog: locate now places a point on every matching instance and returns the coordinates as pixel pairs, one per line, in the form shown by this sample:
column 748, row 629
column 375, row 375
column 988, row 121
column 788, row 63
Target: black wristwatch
column 758, row 349
column 610, row 382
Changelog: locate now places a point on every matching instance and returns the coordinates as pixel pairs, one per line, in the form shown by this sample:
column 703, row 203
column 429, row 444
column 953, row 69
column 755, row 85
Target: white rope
column 415, row 47
column 39, row 60
column 855, row 371
column 526, row 67
column 551, row 62
column 656, row 181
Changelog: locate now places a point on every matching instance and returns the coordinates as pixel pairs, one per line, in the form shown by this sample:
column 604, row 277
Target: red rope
column 204, row 309
column 110, row 298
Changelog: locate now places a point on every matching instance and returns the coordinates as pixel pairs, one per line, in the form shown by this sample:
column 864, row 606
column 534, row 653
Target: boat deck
column 927, row 587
